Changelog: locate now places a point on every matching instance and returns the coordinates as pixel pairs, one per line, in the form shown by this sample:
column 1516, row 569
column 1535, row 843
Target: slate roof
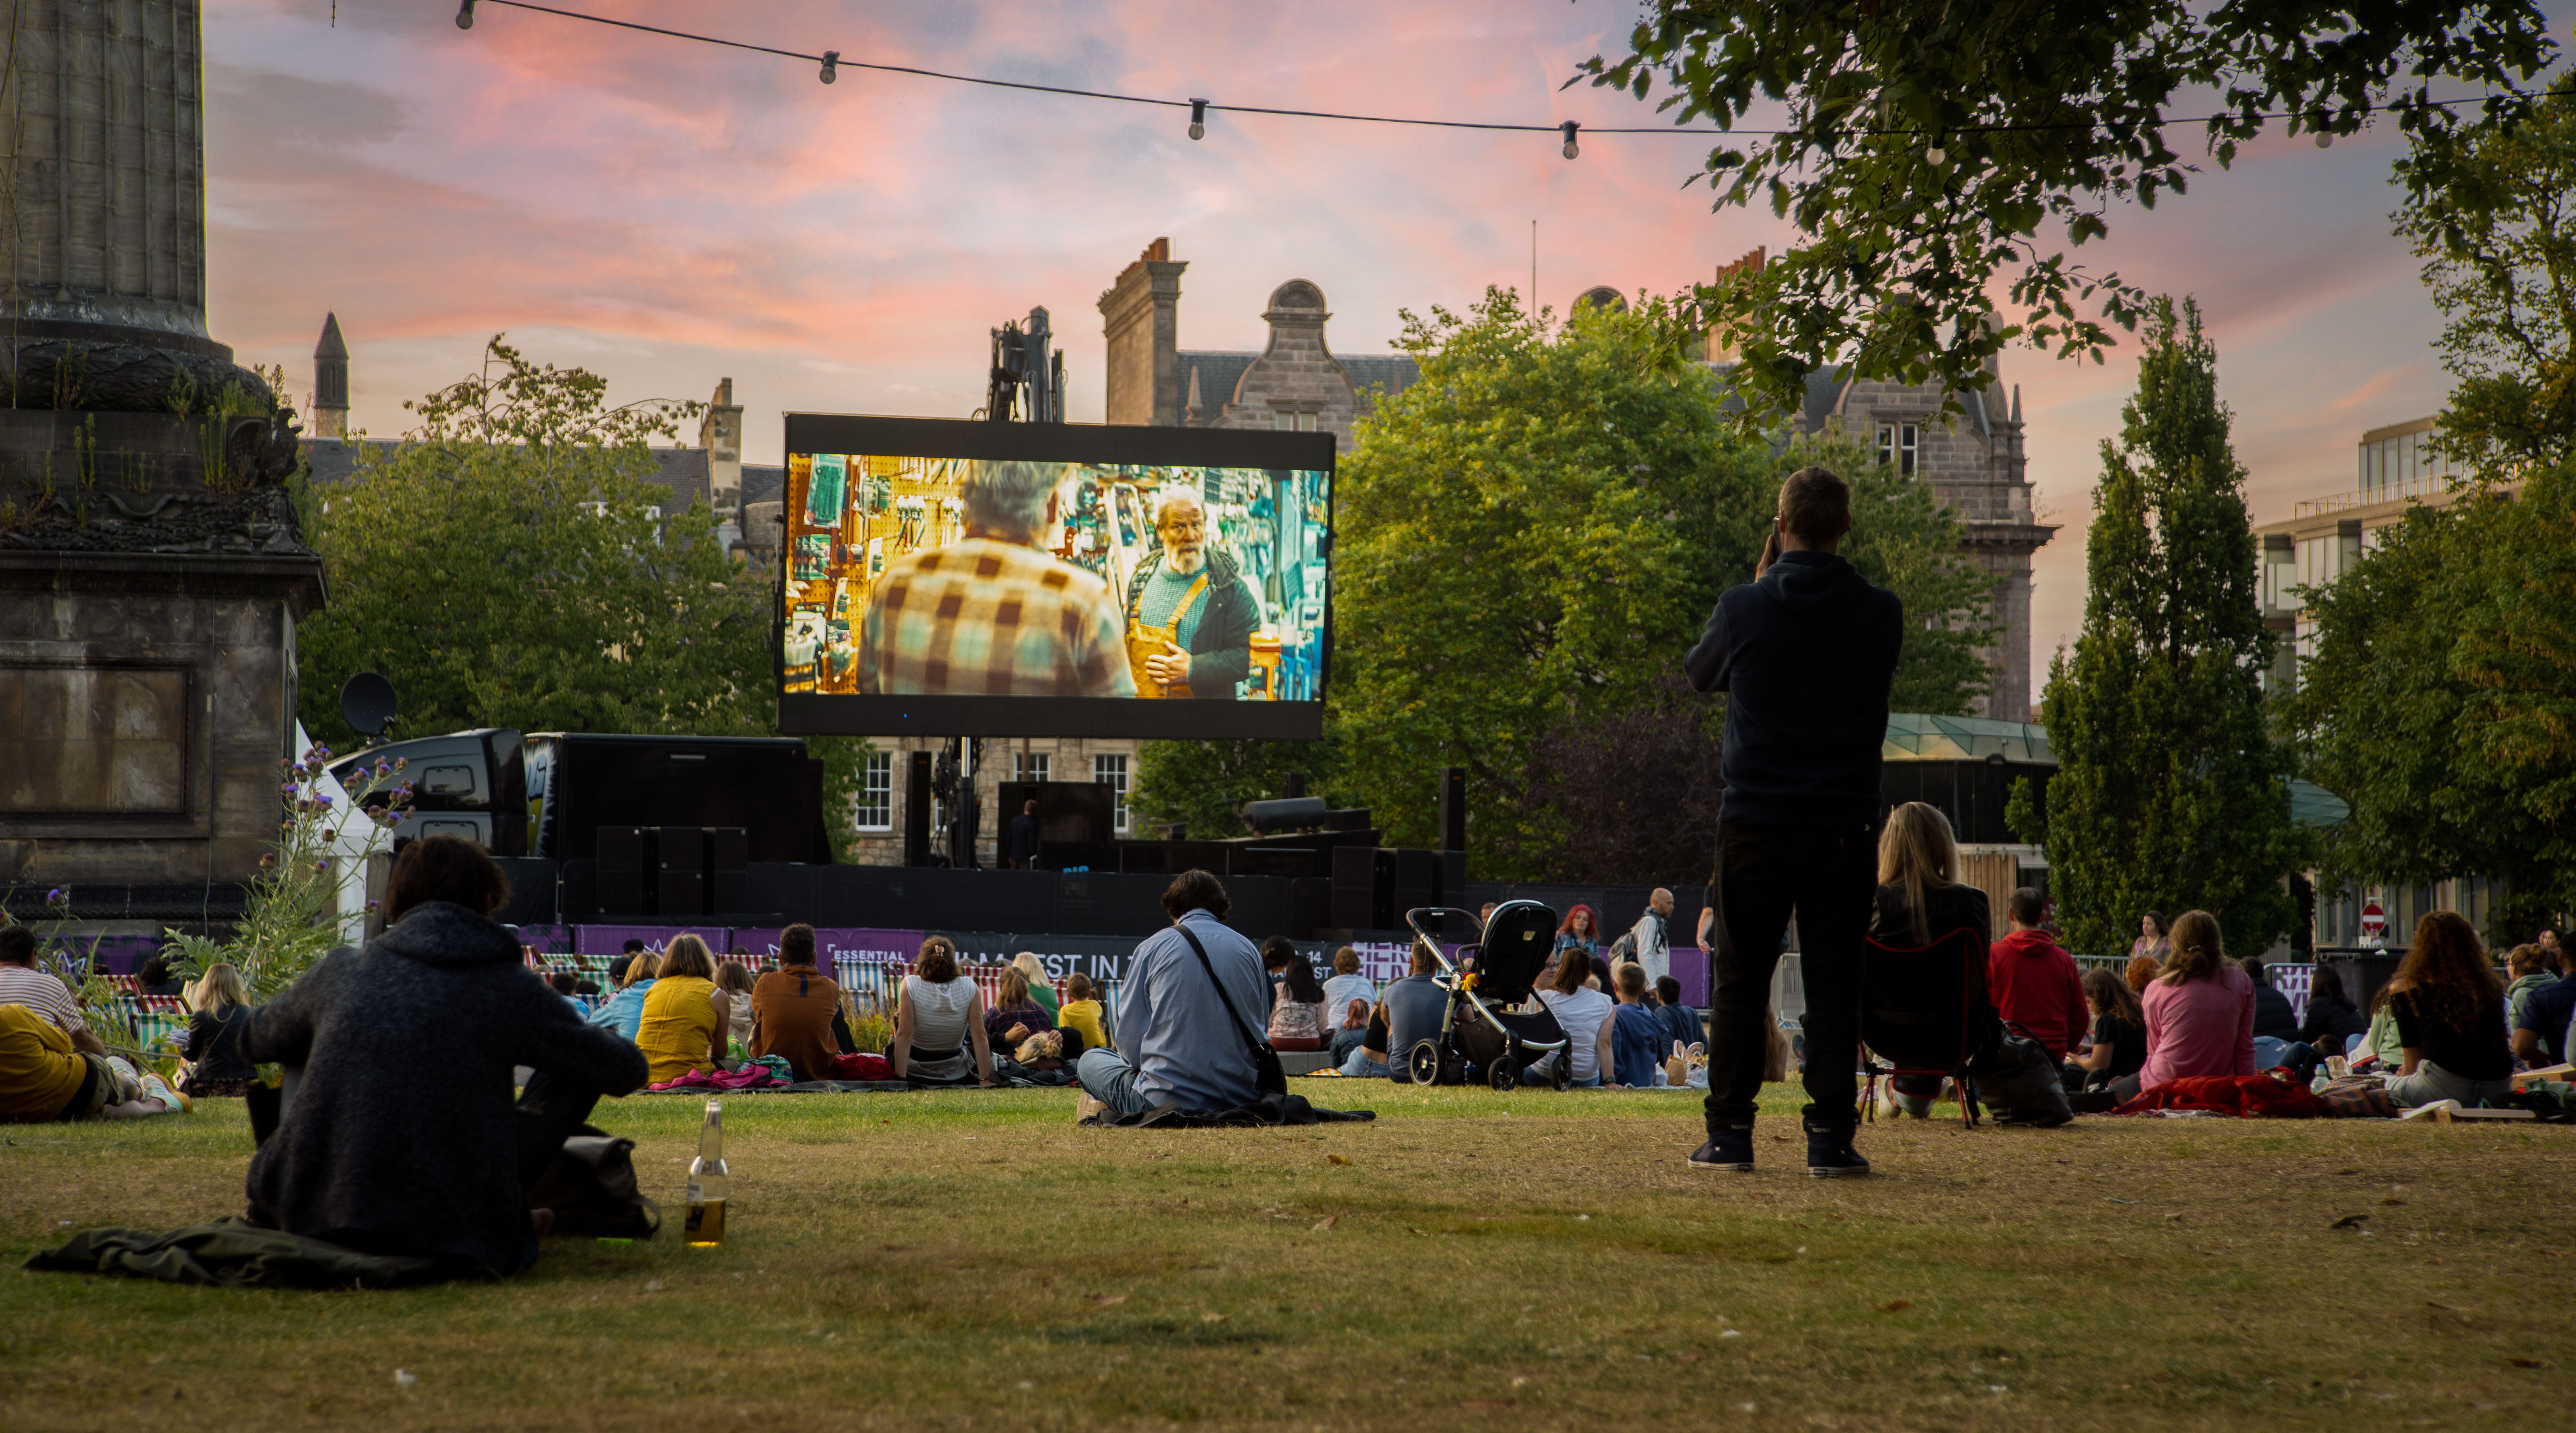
column 679, row 472
column 763, row 484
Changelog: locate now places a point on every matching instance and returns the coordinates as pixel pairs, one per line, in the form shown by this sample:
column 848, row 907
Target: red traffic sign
column 2373, row 919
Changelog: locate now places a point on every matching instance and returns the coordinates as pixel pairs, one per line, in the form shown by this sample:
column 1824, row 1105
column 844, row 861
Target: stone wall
column 1296, row 384
column 145, row 701
column 1140, row 319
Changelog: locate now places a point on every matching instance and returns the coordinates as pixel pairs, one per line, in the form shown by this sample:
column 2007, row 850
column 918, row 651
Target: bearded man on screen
column 1190, row 618
column 993, row 614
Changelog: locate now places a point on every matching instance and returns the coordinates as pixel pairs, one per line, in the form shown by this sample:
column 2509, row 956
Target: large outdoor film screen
column 1026, row 579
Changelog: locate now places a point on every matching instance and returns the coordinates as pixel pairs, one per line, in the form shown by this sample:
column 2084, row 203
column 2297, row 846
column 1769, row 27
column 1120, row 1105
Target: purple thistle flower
column 322, row 798
column 400, row 762
column 382, row 770
column 371, row 905
column 54, row 897
column 321, row 868
column 330, row 835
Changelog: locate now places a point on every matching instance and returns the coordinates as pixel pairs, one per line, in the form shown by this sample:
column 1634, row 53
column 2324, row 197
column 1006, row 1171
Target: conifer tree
column 2170, row 794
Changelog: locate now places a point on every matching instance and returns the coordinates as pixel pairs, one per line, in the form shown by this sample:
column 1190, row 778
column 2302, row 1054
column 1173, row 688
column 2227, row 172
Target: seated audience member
column 1346, row 986
column 563, row 984
column 940, row 1015
column 2200, row 1011
column 44, row 1080
column 156, row 977
column 1583, row 1013
column 793, row 1009
column 2119, row 1032
column 2450, row 1018
column 623, row 1012
column 1183, row 1021
column 2033, row 981
column 584, row 985
column 1579, row 931
column 1296, row 997
column 2529, row 970
column 2333, row 1022
column 1081, row 1012
column 2539, row 1033
column 1639, row 1043
column 219, row 1011
column 1353, row 1032
column 735, row 980
column 1921, row 902
column 1016, row 1014
column 401, row 1138
column 22, row 984
column 1681, row 1023
column 1041, row 985
column 2276, row 1025
column 2140, row 970
column 686, row 1015
column 1409, row 1013
column 1368, row 1055
column 627, row 955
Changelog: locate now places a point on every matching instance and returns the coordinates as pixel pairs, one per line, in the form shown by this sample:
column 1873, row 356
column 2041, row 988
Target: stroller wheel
column 1561, row 1077
column 1423, row 1062
column 1504, row 1074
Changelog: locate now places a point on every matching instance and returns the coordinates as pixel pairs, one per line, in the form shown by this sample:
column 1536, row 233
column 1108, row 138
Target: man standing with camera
column 1806, row 653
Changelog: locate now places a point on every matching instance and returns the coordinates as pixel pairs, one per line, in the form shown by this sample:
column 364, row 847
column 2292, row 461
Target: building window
column 1897, row 444
column 1111, row 771
column 1030, row 765
column 1286, row 422
column 876, row 792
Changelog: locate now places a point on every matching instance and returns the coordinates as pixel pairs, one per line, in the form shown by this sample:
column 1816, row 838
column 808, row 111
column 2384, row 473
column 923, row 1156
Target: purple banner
column 1690, row 967
column 611, row 939
column 835, row 944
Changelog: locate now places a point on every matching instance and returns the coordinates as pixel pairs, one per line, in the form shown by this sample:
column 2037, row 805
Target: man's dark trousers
column 1829, row 877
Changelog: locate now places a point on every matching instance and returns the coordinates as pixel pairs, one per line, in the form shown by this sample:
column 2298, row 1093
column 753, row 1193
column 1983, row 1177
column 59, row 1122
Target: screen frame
column 845, row 714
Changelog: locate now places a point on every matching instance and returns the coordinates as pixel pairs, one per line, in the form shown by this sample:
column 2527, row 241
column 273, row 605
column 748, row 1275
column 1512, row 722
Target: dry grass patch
column 1534, row 1261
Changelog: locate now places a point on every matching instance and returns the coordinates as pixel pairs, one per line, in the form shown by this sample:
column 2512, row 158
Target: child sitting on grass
column 1081, row 1012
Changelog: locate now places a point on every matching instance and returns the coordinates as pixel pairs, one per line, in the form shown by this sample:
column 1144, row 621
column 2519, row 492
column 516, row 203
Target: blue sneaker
column 1830, row 1154
column 1728, row 1151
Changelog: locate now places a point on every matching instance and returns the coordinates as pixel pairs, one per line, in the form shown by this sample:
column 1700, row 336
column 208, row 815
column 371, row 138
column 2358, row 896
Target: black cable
column 837, row 60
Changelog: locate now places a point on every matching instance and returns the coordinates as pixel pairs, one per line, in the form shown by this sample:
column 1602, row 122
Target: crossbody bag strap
column 1249, row 1040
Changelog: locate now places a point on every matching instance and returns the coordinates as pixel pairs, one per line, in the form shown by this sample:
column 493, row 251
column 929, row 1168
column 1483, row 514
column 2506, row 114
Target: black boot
column 1729, row 1151
column 1829, row 1152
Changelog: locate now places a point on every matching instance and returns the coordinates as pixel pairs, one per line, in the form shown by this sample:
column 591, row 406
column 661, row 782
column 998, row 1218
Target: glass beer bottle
column 705, row 1228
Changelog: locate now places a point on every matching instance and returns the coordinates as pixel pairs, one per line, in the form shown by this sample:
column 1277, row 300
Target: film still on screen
column 1041, row 577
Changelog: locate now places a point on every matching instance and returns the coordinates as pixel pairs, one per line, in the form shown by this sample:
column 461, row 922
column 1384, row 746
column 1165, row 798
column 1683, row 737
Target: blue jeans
column 2270, row 1052
column 1106, row 1076
column 2431, row 1082
column 1360, row 1064
column 1343, row 1043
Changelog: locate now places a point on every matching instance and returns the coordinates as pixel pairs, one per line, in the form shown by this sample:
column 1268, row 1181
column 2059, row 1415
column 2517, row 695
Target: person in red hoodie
column 2034, row 981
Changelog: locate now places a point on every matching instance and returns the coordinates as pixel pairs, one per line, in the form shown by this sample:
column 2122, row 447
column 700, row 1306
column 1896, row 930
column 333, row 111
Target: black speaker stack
column 674, row 872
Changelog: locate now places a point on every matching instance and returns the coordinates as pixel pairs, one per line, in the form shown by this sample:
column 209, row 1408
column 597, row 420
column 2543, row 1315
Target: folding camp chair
column 1925, row 1011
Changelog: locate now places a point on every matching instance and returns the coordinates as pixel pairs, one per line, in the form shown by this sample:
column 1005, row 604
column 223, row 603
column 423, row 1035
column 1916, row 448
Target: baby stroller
column 1476, row 1032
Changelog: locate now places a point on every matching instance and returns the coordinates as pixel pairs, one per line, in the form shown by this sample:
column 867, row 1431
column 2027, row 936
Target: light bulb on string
column 1198, row 119
column 465, row 15
column 1571, row 149
column 831, row 66
column 1937, row 154
column 2317, row 122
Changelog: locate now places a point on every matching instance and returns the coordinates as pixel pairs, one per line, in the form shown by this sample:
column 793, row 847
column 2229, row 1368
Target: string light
column 831, row 61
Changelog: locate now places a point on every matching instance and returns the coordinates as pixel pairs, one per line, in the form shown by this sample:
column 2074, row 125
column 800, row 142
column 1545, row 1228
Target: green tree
column 506, row 564
column 2170, row 793
column 2491, row 209
column 1933, row 154
column 1202, row 784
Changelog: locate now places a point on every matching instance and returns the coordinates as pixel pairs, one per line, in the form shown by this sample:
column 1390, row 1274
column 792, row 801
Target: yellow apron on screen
column 1144, row 641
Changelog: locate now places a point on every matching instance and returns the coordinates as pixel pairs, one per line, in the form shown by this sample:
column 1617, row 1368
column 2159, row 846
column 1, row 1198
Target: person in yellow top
column 1081, row 1013
column 43, row 1079
column 686, row 1016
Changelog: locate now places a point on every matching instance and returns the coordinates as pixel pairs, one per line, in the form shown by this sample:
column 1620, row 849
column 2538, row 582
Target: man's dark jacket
column 1806, row 656
column 1221, row 646
column 402, row 1137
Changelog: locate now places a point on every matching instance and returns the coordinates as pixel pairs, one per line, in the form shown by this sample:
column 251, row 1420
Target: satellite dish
column 367, row 703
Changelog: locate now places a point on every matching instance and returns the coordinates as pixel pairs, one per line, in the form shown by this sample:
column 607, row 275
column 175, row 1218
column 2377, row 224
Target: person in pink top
column 2200, row 1012
column 2034, row 982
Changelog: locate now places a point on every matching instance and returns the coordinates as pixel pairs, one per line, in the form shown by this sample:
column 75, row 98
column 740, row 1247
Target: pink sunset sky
column 668, row 214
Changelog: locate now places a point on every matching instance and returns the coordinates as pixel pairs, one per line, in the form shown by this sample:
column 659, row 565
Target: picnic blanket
column 2274, row 1094
column 1268, row 1110
column 233, row 1253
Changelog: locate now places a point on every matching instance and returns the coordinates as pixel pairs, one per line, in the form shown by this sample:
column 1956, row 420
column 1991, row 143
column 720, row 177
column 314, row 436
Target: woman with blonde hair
column 2449, row 1009
column 686, row 1016
column 623, row 1012
column 219, row 1007
column 1041, row 984
column 1922, row 904
column 941, row 1014
column 734, row 979
column 2199, row 1009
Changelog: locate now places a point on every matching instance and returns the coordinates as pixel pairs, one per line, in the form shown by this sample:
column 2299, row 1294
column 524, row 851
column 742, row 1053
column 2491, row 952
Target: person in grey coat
column 400, row 1136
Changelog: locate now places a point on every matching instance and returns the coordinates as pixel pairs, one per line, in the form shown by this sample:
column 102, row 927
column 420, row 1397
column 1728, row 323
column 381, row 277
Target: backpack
column 591, row 1188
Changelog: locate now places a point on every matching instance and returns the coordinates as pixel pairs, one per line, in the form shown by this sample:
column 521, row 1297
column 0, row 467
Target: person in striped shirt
column 22, row 984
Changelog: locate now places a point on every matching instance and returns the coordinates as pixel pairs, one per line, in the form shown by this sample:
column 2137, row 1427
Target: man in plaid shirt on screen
column 993, row 614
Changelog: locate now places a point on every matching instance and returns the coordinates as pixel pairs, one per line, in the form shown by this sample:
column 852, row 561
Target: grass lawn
column 1533, row 1261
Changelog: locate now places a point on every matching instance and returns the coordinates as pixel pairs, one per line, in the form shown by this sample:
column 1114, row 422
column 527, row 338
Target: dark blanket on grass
column 1268, row 1110
column 232, row 1254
